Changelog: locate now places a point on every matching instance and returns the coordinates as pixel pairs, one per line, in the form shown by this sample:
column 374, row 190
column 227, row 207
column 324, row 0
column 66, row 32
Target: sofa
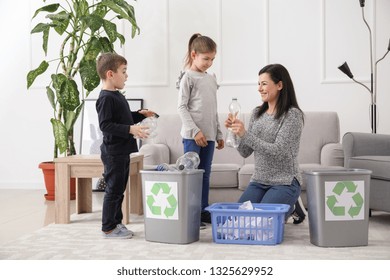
column 320, row 148
column 371, row 151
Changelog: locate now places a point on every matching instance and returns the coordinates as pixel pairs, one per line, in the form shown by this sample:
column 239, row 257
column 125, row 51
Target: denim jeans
column 116, row 174
column 280, row 194
column 206, row 158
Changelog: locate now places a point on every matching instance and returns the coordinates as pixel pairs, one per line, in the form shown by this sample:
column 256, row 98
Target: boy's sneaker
column 202, row 225
column 123, row 228
column 205, row 217
column 120, row 232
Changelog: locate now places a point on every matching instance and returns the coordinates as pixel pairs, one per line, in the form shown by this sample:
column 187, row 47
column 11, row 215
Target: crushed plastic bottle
column 234, row 109
column 188, row 161
column 165, row 167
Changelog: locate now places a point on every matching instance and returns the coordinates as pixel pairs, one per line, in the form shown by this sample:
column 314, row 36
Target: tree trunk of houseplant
column 49, row 177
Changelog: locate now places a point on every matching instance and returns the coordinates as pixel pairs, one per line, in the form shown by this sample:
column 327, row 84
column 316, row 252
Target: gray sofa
column 320, row 148
column 371, row 151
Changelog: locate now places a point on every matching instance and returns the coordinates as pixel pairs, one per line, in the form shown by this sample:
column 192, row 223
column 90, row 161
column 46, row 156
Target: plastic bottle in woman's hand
column 234, row 109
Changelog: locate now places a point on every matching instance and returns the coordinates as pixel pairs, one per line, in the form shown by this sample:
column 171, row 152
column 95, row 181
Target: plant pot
column 49, row 177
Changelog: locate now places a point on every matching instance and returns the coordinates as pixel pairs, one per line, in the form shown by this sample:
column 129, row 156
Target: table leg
column 84, row 195
column 62, row 193
column 136, row 205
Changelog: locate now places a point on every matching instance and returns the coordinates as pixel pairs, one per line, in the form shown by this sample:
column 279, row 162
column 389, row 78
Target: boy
column 116, row 121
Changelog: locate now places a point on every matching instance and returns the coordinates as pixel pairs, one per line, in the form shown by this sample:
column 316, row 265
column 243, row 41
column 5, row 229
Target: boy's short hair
column 109, row 61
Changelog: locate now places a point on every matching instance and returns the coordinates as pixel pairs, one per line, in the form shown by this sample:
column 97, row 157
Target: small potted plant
column 86, row 29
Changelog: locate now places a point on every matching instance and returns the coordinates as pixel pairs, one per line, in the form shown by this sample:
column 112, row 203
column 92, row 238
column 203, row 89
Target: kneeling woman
column 273, row 135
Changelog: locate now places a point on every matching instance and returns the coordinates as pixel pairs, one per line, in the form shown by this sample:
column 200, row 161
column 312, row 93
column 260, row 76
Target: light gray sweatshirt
column 275, row 144
column 197, row 105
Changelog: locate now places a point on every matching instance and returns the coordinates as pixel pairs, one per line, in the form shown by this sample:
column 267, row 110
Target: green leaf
column 60, row 135
column 100, row 11
column 45, row 40
column 40, row 27
column 60, row 21
column 110, row 29
column 92, row 50
column 81, row 7
column 115, row 8
column 66, row 91
column 49, row 8
column 68, row 96
column 106, row 45
column 31, row 76
column 51, row 97
column 131, row 13
column 70, row 120
column 121, row 38
column 93, row 22
column 44, row 28
column 58, row 80
column 89, row 75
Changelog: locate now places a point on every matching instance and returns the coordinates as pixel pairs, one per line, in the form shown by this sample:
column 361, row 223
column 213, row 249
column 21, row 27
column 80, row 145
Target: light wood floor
column 25, row 211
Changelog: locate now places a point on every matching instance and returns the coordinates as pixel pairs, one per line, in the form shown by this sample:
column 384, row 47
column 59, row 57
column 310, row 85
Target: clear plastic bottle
column 151, row 123
column 188, row 161
column 234, row 109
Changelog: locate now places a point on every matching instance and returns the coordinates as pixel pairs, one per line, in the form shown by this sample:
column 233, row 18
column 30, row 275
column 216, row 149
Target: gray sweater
column 275, row 144
column 197, row 105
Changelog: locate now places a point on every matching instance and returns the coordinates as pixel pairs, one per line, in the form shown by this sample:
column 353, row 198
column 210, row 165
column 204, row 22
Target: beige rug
column 81, row 240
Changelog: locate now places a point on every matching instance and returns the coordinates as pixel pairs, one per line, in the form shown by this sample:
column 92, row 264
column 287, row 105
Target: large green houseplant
column 86, row 29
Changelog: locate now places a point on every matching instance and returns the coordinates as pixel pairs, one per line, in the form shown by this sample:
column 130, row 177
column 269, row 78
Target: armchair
column 371, row 151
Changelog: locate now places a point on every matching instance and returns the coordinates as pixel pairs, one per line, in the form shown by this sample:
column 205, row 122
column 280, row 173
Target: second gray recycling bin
column 338, row 207
column 172, row 205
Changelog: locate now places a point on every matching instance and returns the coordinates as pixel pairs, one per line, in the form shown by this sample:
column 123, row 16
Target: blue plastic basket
column 262, row 226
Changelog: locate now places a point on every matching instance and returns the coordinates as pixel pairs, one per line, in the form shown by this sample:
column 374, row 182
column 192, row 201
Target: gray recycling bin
column 172, row 205
column 338, row 206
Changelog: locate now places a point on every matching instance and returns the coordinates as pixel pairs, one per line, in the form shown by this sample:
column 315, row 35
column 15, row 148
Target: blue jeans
column 116, row 174
column 206, row 158
column 280, row 194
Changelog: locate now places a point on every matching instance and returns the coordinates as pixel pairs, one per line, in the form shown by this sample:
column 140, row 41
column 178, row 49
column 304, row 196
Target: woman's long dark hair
column 287, row 98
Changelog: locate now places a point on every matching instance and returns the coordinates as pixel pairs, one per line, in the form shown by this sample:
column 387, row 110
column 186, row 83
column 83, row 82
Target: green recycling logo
column 161, row 200
column 344, row 200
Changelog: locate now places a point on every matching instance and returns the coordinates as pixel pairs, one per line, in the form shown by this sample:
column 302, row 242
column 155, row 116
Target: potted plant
column 86, row 29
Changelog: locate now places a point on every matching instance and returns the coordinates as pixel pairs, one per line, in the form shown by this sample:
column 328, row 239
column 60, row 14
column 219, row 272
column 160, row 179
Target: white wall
column 310, row 37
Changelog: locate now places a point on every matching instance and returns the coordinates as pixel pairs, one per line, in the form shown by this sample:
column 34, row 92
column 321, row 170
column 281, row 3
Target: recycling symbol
column 339, row 206
column 162, row 201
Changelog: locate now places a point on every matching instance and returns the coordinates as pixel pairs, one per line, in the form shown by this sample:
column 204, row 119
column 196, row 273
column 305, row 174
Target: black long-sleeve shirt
column 115, row 119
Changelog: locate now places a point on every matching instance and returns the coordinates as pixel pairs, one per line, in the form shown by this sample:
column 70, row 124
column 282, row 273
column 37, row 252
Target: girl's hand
column 139, row 131
column 221, row 144
column 200, row 140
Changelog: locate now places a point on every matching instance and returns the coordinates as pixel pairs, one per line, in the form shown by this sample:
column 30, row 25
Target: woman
column 273, row 136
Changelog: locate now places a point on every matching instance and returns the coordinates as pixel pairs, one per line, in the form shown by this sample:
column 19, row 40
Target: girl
column 197, row 108
column 273, row 136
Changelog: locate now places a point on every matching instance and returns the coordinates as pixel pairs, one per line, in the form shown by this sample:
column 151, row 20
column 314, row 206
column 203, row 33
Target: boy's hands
column 148, row 113
column 139, row 131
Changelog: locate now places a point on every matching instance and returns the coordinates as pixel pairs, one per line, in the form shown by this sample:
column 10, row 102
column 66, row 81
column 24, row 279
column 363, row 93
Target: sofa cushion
column 379, row 165
column 319, row 128
column 224, row 175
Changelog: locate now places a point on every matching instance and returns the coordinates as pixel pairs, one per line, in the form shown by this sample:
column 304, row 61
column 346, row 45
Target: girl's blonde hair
column 199, row 44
